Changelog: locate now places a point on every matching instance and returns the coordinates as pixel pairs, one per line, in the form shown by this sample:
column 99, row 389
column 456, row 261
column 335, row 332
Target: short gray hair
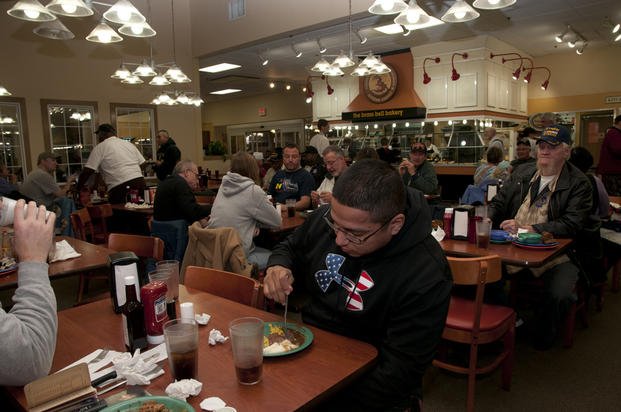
column 182, row 166
column 333, row 149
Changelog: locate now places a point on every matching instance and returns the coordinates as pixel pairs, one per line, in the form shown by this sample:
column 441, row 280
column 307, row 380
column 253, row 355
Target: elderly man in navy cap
column 551, row 196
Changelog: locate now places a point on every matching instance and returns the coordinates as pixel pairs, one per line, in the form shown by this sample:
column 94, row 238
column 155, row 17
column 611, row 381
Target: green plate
column 131, row 405
column 499, row 242
column 299, row 332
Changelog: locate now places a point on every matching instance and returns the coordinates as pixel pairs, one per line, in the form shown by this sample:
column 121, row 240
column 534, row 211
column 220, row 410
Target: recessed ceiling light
column 390, row 29
column 226, row 91
column 216, row 68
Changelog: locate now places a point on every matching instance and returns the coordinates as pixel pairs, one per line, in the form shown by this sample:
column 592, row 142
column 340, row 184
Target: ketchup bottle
column 448, row 222
column 153, row 296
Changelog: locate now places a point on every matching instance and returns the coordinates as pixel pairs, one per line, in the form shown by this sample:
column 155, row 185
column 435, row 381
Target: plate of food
column 276, row 344
column 534, row 246
column 150, row 403
column 7, row 265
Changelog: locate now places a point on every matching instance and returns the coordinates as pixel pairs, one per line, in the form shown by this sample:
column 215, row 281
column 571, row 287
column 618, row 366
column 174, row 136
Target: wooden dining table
column 93, row 257
column 298, row 381
column 508, row 252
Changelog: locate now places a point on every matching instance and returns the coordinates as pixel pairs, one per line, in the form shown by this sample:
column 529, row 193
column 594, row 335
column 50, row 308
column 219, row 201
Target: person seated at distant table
column 41, row 187
column 495, row 168
column 417, row 172
column 334, row 158
column 523, row 150
column 28, row 331
column 292, row 182
column 313, row 164
column 175, row 199
column 243, row 205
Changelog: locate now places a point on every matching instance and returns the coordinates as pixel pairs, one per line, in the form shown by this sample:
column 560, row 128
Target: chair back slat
column 142, row 246
column 468, row 271
column 228, row 285
column 82, row 225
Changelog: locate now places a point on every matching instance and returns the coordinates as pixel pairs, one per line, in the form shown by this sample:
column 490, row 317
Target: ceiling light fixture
column 414, row 14
column 406, row 32
column 272, row 85
column 559, row 37
column 322, row 49
column 137, row 30
column 455, row 76
column 159, row 80
column 102, row 33
column 309, row 90
column 460, row 12
column 121, row 73
column 492, row 4
column 226, row 91
column 4, row 91
column 361, row 37
column 264, row 60
column 123, row 12
column 390, row 28
column 383, row 7
column 70, row 8
column 297, row 52
column 426, row 78
column 618, row 38
column 546, row 83
column 30, row 10
column 54, row 30
column 221, row 67
column 518, row 71
column 580, row 50
column 321, row 66
column 343, row 60
column 616, row 28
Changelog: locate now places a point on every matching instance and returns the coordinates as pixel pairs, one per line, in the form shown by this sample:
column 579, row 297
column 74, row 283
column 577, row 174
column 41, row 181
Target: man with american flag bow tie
column 368, row 268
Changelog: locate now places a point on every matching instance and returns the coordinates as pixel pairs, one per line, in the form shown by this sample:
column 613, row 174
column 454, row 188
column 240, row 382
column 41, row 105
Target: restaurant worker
column 168, row 154
column 242, row 204
column 292, row 182
column 552, row 197
column 28, row 330
column 417, row 172
column 119, row 163
column 334, row 158
column 175, row 200
column 320, row 141
column 371, row 271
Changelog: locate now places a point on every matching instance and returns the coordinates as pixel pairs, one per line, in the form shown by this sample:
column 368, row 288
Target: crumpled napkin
column 215, row 336
column 135, row 369
column 184, row 388
column 438, row 234
column 130, row 205
column 63, row 251
column 202, row 319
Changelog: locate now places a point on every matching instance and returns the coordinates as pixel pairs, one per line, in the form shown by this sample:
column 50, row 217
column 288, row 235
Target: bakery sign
column 385, row 114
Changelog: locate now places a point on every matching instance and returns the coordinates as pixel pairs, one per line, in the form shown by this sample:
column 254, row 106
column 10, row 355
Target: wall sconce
column 455, row 76
column 426, row 78
column 546, row 83
column 330, row 89
column 518, row 71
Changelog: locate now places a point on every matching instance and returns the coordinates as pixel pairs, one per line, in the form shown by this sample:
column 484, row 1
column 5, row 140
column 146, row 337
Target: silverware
column 115, row 383
column 109, row 388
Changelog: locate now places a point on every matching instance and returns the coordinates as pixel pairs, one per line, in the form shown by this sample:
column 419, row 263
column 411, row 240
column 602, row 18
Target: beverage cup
column 7, row 210
column 290, row 207
column 483, row 229
column 181, row 336
column 171, row 266
column 481, row 211
column 247, row 343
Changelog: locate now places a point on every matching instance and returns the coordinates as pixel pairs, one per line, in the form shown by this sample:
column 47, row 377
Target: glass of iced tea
column 247, row 343
column 181, row 337
column 483, row 230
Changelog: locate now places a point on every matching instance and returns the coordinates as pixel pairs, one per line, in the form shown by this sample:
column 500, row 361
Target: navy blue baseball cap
column 555, row 135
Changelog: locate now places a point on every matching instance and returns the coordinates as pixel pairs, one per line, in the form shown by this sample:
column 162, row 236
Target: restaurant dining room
column 284, row 205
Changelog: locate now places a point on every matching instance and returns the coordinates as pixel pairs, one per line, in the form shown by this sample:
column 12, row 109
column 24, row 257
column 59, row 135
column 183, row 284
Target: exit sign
column 262, row 111
column 613, row 99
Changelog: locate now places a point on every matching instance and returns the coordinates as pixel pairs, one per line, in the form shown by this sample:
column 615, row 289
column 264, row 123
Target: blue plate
column 302, row 334
column 499, row 236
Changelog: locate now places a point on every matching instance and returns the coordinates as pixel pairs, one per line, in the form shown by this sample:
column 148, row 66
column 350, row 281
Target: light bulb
column 309, row 99
column 136, row 28
column 450, row 122
column 412, row 16
column 460, row 14
column 32, row 14
column 464, row 121
column 435, row 123
column 387, row 4
column 124, row 13
column 407, row 124
column 493, row 2
column 69, row 8
column 104, row 37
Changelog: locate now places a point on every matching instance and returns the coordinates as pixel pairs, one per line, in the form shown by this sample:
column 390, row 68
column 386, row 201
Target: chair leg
column 507, row 364
column 472, row 376
column 82, row 285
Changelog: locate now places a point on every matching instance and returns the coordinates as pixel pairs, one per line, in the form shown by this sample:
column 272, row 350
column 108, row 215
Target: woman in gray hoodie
column 243, row 205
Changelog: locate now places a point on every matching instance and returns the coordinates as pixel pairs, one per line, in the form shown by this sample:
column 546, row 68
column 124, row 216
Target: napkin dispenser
column 122, row 264
column 463, row 218
column 491, row 192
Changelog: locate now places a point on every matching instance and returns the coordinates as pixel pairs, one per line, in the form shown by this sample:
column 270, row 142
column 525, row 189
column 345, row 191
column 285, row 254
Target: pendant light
column 383, row 7
column 492, row 4
column 30, row 10
column 4, row 91
column 123, row 12
column 54, row 30
column 460, row 12
column 69, row 8
column 412, row 15
column 102, row 33
column 137, row 30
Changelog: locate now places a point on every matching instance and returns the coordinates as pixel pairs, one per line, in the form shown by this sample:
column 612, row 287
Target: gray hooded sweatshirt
column 243, row 205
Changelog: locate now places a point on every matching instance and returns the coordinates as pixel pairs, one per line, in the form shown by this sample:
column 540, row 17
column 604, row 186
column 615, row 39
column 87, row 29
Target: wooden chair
column 142, row 246
column 99, row 215
column 474, row 322
column 228, row 285
column 83, row 228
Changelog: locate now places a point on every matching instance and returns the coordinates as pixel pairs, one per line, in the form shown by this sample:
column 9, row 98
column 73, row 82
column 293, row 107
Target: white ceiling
column 528, row 25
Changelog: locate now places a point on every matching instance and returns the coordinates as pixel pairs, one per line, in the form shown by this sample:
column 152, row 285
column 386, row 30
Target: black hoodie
column 399, row 303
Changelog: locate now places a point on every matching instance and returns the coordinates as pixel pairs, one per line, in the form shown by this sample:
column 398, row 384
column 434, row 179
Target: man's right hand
column 33, row 234
column 315, row 197
column 277, row 283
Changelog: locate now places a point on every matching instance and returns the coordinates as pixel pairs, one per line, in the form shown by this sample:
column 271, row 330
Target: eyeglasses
column 357, row 240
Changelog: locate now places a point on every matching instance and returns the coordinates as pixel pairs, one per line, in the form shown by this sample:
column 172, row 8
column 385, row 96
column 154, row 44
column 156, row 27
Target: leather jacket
column 570, row 203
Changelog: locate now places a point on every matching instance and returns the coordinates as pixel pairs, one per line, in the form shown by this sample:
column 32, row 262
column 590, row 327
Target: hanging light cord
column 351, row 52
column 172, row 12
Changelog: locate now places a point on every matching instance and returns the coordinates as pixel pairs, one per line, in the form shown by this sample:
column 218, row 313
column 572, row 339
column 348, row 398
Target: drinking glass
column 247, row 343
column 181, row 336
column 483, row 229
column 290, row 203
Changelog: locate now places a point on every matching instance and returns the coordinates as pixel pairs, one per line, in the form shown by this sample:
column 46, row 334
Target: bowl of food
column 150, row 404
